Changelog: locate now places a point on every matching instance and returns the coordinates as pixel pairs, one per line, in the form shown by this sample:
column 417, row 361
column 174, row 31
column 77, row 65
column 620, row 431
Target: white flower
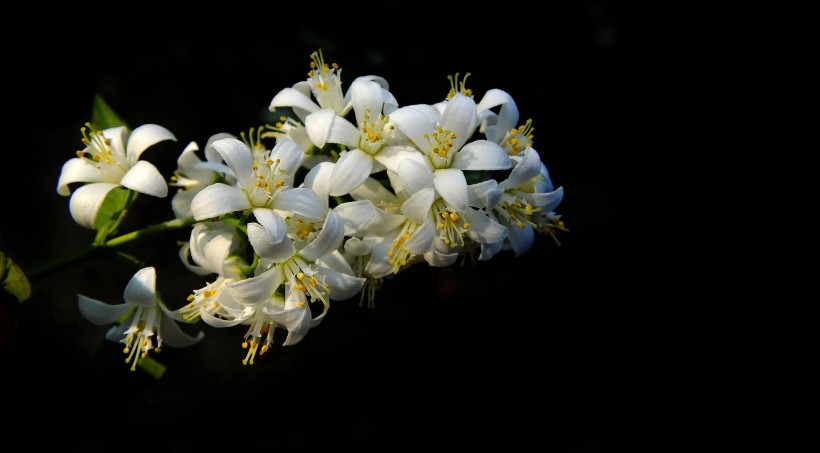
column 193, row 175
column 501, row 128
column 316, row 270
column 107, row 162
column 372, row 145
column 521, row 202
column 213, row 247
column 147, row 318
column 264, row 181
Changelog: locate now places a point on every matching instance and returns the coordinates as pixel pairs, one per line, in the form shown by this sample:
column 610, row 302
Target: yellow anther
column 300, row 275
column 244, row 345
column 466, row 225
column 258, row 183
column 279, row 184
column 390, row 253
column 264, row 349
column 191, row 298
column 80, row 154
column 283, row 118
column 454, row 217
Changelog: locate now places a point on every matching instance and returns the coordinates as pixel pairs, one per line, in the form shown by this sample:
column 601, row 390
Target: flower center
column 253, row 338
column 138, row 337
column 98, row 149
column 441, row 147
column 518, row 138
column 326, row 83
column 517, row 211
column 451, row 228
column 371, row 140
column 202, row 299
column 398, row 255
column 269, row 178
column 458, row 87
column 304, row 277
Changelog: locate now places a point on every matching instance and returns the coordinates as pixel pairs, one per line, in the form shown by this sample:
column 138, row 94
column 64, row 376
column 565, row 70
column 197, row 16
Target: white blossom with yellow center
column 109, row 160
column 372, row 144
column 148, row 325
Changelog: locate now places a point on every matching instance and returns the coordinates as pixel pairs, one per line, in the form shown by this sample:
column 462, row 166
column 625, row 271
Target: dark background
column 651, row 328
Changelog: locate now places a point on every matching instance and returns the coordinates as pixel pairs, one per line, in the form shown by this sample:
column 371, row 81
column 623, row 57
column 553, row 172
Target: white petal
column 255, row 290
column 239, row 158
column 141, row 289
column 355, row 215
column 493, row 98
column 421, row 241
column 301, row 201
column 342, row 285
column 101, row 313
column 273, row 224
column 366, row 96
column 484, row 194
column 181, row 203
column 77, row 170
column 184, row 256
column 260, row 239
column 326, row 126
column 521, row 239
column 117, row 332
column 117, row 137
column 379, row 264
column 527, row 168
column 143, row 138
column 211, row 155
column 328, row 240
column 415, row 125
column 417, row 207
column 296, row 320
column 489, row 250
column 86, row 201
column 174, row 336
column 188, row 158
column 384, row 222
column 374, row 191
column 335, row 261
column 357, row 247
column 452, row 186
column 460, row 118
column 415, row 176
column 482, row 155
column 290, row 97
column 289, row 154
column 318, row 179
column 391, row 156
column 213, row 321
column 350, row 171
column 439, row 259
column 482, row 228
column 218, row 199
column 546, row 201
column 144, row 177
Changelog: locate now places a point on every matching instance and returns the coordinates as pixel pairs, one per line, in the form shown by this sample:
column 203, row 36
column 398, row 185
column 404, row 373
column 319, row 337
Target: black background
column 654, row 326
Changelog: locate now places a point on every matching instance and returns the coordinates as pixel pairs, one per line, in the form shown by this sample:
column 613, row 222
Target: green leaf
column 102, row 116
column 14, row 279
column 110, row 215
column 152, row 367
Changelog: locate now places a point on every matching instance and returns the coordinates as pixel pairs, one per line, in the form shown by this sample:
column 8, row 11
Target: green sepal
column 152, row 367
column 15, row 281
column 102, row 116
column 112, row 211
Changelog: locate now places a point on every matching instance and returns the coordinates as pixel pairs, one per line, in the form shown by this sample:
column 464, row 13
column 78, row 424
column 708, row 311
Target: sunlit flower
column 372, row 145
column 109, row 161
column 193, row 174
column 146, row 326
column 214, row 248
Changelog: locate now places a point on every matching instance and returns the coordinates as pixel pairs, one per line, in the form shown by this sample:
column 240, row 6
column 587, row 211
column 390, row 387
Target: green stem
column 94, row 250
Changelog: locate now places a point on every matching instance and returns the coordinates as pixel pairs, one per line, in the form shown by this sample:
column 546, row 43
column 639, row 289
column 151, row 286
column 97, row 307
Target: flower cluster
column 320, row 206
